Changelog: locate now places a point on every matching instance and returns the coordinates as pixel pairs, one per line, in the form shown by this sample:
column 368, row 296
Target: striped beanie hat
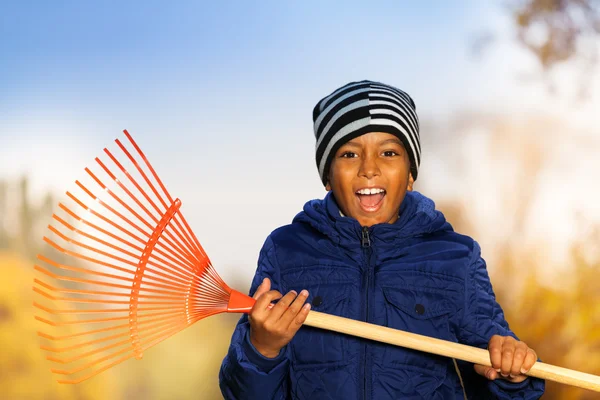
column 362, row 107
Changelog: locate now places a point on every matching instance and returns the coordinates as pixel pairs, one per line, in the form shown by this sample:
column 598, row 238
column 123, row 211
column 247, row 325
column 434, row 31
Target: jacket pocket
column 418, row 303
column 313, row 347
column 423, row 311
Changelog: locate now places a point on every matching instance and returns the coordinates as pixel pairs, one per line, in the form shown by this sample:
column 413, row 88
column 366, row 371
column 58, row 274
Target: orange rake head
column 127, row 271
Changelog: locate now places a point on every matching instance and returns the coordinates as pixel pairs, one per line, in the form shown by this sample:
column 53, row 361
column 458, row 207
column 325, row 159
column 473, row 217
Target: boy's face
column 369, row 177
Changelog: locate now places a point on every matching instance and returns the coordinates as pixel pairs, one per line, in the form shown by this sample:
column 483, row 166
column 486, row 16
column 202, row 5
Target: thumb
column 264, row 287
column 488, row 372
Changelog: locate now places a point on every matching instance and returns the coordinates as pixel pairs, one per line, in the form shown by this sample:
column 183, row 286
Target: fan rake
column 128, row 272
column 141, row 278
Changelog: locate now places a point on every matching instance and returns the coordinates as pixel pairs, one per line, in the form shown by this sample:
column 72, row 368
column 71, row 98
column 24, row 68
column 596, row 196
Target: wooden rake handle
column 443, row 348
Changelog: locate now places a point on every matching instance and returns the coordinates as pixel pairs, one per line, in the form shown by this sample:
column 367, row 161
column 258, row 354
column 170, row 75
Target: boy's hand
column 510, row 359
column 273, row 326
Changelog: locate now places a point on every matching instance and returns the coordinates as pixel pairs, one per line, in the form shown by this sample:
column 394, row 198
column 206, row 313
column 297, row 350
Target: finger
column 495, row 349
column 489, row 372
column 282, row 306
column 508, row 353
column 530, row 359
column 520, row 354
column 264, row 287
column 299, row 319
column 290, row 314
column 260, row 309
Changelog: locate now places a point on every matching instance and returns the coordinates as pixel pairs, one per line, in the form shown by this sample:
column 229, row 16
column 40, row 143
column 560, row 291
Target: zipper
column 366, row 246
column 366, row 239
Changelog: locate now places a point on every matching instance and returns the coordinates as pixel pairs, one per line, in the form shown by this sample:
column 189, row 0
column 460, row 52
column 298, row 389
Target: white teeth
column 370, row 191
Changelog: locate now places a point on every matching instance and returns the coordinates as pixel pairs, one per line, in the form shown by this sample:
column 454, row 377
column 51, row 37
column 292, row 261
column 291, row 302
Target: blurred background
column 220, row 95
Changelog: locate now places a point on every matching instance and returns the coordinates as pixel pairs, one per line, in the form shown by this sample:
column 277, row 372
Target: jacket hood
column 418, row 216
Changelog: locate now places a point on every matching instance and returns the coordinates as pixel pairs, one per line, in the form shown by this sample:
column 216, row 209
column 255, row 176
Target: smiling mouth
column 370, row 199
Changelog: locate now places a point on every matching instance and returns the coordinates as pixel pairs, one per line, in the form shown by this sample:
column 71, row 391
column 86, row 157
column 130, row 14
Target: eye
column 348, row 154
column 390, row 153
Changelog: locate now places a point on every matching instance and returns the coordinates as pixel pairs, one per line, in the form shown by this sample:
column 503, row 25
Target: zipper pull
column 366, row 240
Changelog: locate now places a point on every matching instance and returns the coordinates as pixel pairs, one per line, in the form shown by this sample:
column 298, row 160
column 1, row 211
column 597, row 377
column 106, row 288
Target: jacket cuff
column 510, row 386
column 265, row 364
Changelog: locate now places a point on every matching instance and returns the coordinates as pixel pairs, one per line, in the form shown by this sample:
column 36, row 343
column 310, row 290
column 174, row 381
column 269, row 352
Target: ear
column 411, row 182
column 328, row 187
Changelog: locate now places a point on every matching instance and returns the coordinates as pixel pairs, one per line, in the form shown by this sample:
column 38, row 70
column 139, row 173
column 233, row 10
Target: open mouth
column 370, row 198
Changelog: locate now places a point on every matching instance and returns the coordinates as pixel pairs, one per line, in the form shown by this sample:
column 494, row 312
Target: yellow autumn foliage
column 562, row 324
column 185, row 366
column 24, row 371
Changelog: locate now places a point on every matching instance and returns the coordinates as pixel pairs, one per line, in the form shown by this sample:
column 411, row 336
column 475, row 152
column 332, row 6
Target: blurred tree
column 26, row 217
column 4, row 237
column 23, row 220
column 555, row 32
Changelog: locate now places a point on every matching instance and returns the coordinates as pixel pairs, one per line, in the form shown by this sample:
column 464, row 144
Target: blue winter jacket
column 416, row 275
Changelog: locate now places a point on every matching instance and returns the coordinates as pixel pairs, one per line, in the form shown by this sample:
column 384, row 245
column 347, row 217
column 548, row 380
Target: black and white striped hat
column 362, row 107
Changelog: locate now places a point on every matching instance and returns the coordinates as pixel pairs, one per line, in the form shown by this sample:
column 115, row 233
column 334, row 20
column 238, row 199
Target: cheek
column 342, row 179
column 398, row 178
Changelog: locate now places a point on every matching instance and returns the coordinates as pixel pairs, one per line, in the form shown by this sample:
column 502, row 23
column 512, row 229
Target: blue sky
column 220, row 94
column 202, row 79
column 191, row 58
column 208, row 74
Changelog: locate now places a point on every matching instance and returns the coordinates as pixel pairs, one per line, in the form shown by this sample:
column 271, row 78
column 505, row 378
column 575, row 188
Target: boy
column 371, row 250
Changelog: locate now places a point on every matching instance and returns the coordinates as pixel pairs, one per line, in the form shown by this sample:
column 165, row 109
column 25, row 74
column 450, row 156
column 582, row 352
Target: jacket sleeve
column 245, row 373
column 482, row 318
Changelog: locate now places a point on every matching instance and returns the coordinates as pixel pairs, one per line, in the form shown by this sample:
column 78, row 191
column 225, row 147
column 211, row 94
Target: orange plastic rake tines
column 132, row 272
column 128, row 272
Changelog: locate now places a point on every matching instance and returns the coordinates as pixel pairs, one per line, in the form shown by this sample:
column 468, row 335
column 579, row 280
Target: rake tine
column 137, row 274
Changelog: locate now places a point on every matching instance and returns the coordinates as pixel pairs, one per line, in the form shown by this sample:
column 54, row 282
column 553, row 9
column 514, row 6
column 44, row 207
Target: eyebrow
column 394, row 140
column 386, row 141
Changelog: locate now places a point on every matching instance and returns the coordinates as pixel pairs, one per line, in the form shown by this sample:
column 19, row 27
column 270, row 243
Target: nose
column 369, row 167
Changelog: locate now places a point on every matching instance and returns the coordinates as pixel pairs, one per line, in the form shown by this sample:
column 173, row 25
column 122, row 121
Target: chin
column 374, row 220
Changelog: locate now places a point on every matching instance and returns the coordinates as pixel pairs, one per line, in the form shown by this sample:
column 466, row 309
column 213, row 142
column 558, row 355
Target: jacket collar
column 417, row 216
